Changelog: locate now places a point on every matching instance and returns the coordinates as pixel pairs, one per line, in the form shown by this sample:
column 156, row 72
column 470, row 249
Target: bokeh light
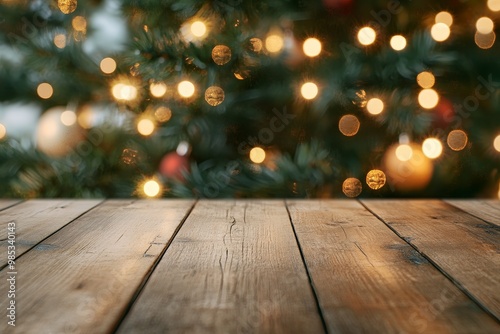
column 145, row 127
column 349, row 125
column 485, row 41
column 79, row 23
column 68, row 117
column 60, row 41
column 163, row 114
column 428, row 98
column 426, row 79
column 440, row 32
column 484, row 25
column 398, row 42
column 457, row 140
column 3, row 131
column 198, row 29
column 274, row 43
column 45, row 90
column 444, row 17
column 375, row 106
column 108, row 65
column 151, row 188
column 158, row 89
column 494, row 5
column 496, row 143
column 312, row 47
column 366, row 36
column 432, row 148
column 257, row 155
column 309, row 90
column 404, row 152
column 186, row 89
column 124, row 92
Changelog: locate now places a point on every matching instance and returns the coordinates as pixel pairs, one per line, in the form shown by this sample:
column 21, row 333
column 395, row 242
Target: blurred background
column 241, row 98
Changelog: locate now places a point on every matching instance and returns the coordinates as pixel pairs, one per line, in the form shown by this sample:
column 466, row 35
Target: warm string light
column 198, row 29
column 163, row 114
column 349, row 125
column 366, row 36
column 124, row 92
column 426, row 79
column 3, row 131
column 68, row 117
column 45, row 90
column 375, row 106
column 257, row 155
column 312, row 47
column 428, row 98
column 440, row 32
column 432, row 148
column 493, row 5
column 398, row 42
column 146, row 127
column 484, row 25
column 404, row 152
column 309, row 90
column 60, row 41
column 151, row 188
column 485, row 41
column 496, row 143
column 274, row 43
column 444, row 17
column 79, row 23
column 108, row 65
column 158, row 89
column 457, row 140
column 186, row 89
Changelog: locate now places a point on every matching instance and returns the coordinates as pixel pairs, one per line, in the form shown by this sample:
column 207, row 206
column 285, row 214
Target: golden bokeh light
column 426, row 79
column 440, row 32
column 485, row 41
column 496, row 143
column 398, row 42
column 404, row 152
column 457, row 140
column 67, row 6
column 60, row 41
column 45, row 90
column 124, row 92
column 256, row 44
column 366, row 36
column 214, row 95
column 352, row 187
column 221, row 54
column 312, row 47
column 349, row 125
column 309, row 90
column 444, row 17
column 158, row 89
column 146, row 127
column 494, row 5
column 274, row 43
column 3, row 131
column 375, row 106
column 428, row 98
column 79, row 23
column 151, row 188
column 198, row 29
column 257, row 155
column 108, row 65
column 163, row 114
column 68, row 117
column 432, row 148
column 186, row 88
column 484, row 25
column 375, row 179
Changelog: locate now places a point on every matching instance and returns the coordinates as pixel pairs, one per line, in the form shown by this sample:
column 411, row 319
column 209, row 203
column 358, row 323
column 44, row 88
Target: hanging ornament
column 352, row 187
column 172, row 165
column 375, row 179
column 221, row 54
column 407, row 168
column 214, row 95
column 58, row 132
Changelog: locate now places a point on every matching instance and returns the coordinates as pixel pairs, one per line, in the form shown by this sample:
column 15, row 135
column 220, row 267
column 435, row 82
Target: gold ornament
column 214, row 95
column 375, row 179
column 349, row 125
column 412, row 174
column 58, row 132
column 67, row 6
column 352, row 187
column 256, row 44
column 221, row 54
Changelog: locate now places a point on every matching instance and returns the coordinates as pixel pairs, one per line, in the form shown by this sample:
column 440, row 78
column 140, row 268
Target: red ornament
column 444, row 113
column 172, row 165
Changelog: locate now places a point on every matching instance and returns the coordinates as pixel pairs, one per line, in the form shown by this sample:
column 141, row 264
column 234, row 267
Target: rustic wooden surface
column 253, row 266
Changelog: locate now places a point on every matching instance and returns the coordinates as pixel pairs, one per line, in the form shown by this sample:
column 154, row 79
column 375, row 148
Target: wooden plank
column 83, row 278
column 234, row 267
column 6, row 203
column 368, row 280
column 37, row 219
column 462, row 246
column 488, row 210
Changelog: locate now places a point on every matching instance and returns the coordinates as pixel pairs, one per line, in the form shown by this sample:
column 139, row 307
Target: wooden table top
column 251, row 266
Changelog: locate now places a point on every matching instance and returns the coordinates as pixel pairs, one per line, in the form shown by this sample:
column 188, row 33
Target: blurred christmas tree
column 249, row 98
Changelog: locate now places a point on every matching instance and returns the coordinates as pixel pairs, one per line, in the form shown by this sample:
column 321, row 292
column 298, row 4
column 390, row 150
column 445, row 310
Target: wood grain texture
column 6, row 203
column 234, row 267
column 488, row 210
column 37, row 219
column 85, row 275
column 368, row 280
column 464, row 247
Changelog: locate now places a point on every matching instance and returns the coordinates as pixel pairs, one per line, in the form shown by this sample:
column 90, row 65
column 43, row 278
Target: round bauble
column 58, row 132
column 413, row 174
column 172, row 165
